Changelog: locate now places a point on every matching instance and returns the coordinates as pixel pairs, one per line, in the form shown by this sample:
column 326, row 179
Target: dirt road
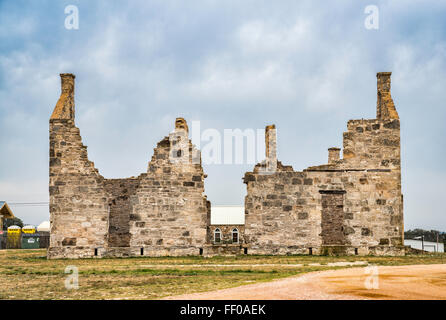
column 399, row 282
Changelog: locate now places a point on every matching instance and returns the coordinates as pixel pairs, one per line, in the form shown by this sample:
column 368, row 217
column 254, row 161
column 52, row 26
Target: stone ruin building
column 348, row 206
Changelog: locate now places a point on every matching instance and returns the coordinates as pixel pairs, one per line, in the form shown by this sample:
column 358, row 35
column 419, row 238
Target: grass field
column 27, row 274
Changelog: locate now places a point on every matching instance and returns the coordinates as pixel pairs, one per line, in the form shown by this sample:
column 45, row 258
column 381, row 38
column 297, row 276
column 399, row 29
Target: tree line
column 12, row 222
column 429, row 235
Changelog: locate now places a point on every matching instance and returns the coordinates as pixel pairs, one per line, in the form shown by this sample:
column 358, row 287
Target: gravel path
column 398, row 282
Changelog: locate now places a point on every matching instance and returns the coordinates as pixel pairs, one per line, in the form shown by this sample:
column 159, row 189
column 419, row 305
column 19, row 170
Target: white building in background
column 428, row 246
column 44, row 227
column 231, row 215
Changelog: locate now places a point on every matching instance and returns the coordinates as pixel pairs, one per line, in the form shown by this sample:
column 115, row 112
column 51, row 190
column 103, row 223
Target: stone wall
column 78, row 201
column 161, row 212
column 349, row 206
column 333, row 224
column 226, row 233
column 226, row 246
column 170, row 211
column 120, row 210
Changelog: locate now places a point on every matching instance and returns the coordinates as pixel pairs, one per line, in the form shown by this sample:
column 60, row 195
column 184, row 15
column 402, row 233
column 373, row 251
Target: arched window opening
column 235, row 235
column 217, row 235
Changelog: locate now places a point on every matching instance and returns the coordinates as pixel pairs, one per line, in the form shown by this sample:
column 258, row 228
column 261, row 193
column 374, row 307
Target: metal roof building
column 227, row 215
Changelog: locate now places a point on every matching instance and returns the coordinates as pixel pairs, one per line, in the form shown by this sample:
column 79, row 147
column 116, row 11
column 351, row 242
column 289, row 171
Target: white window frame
column 235, row 231
column 215, row 233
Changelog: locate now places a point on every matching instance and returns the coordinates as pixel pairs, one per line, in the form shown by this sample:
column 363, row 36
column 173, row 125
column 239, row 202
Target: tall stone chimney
column 333, row 155
column 181, row 124
column 385, row 108
column 67, row 82
column 271, row 143
column 64, row 109
column 179, row 142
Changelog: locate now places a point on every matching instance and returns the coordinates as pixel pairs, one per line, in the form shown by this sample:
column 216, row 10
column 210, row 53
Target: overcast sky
column 306, row 66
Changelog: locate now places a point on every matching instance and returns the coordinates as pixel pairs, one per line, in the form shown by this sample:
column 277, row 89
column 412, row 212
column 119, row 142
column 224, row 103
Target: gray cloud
column 307, row 67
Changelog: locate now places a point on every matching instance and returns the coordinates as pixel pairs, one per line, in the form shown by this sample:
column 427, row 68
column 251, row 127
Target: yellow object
column 14, row 230
column 29, row 229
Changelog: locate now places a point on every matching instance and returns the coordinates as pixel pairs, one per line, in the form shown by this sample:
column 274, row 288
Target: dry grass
column 27, row 274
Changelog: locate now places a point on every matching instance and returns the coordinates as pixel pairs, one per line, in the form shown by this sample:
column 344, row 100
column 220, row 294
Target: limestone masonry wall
column 161, row 212
column 351, row 205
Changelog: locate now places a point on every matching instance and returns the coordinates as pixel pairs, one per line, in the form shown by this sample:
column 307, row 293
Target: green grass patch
column 27, row 274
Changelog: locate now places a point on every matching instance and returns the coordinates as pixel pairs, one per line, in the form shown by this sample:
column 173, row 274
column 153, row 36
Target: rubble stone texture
column 351, row 205
column 161, row 212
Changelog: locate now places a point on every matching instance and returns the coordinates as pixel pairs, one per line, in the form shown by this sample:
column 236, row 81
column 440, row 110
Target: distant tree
column 12, row 222
column 429, row 235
